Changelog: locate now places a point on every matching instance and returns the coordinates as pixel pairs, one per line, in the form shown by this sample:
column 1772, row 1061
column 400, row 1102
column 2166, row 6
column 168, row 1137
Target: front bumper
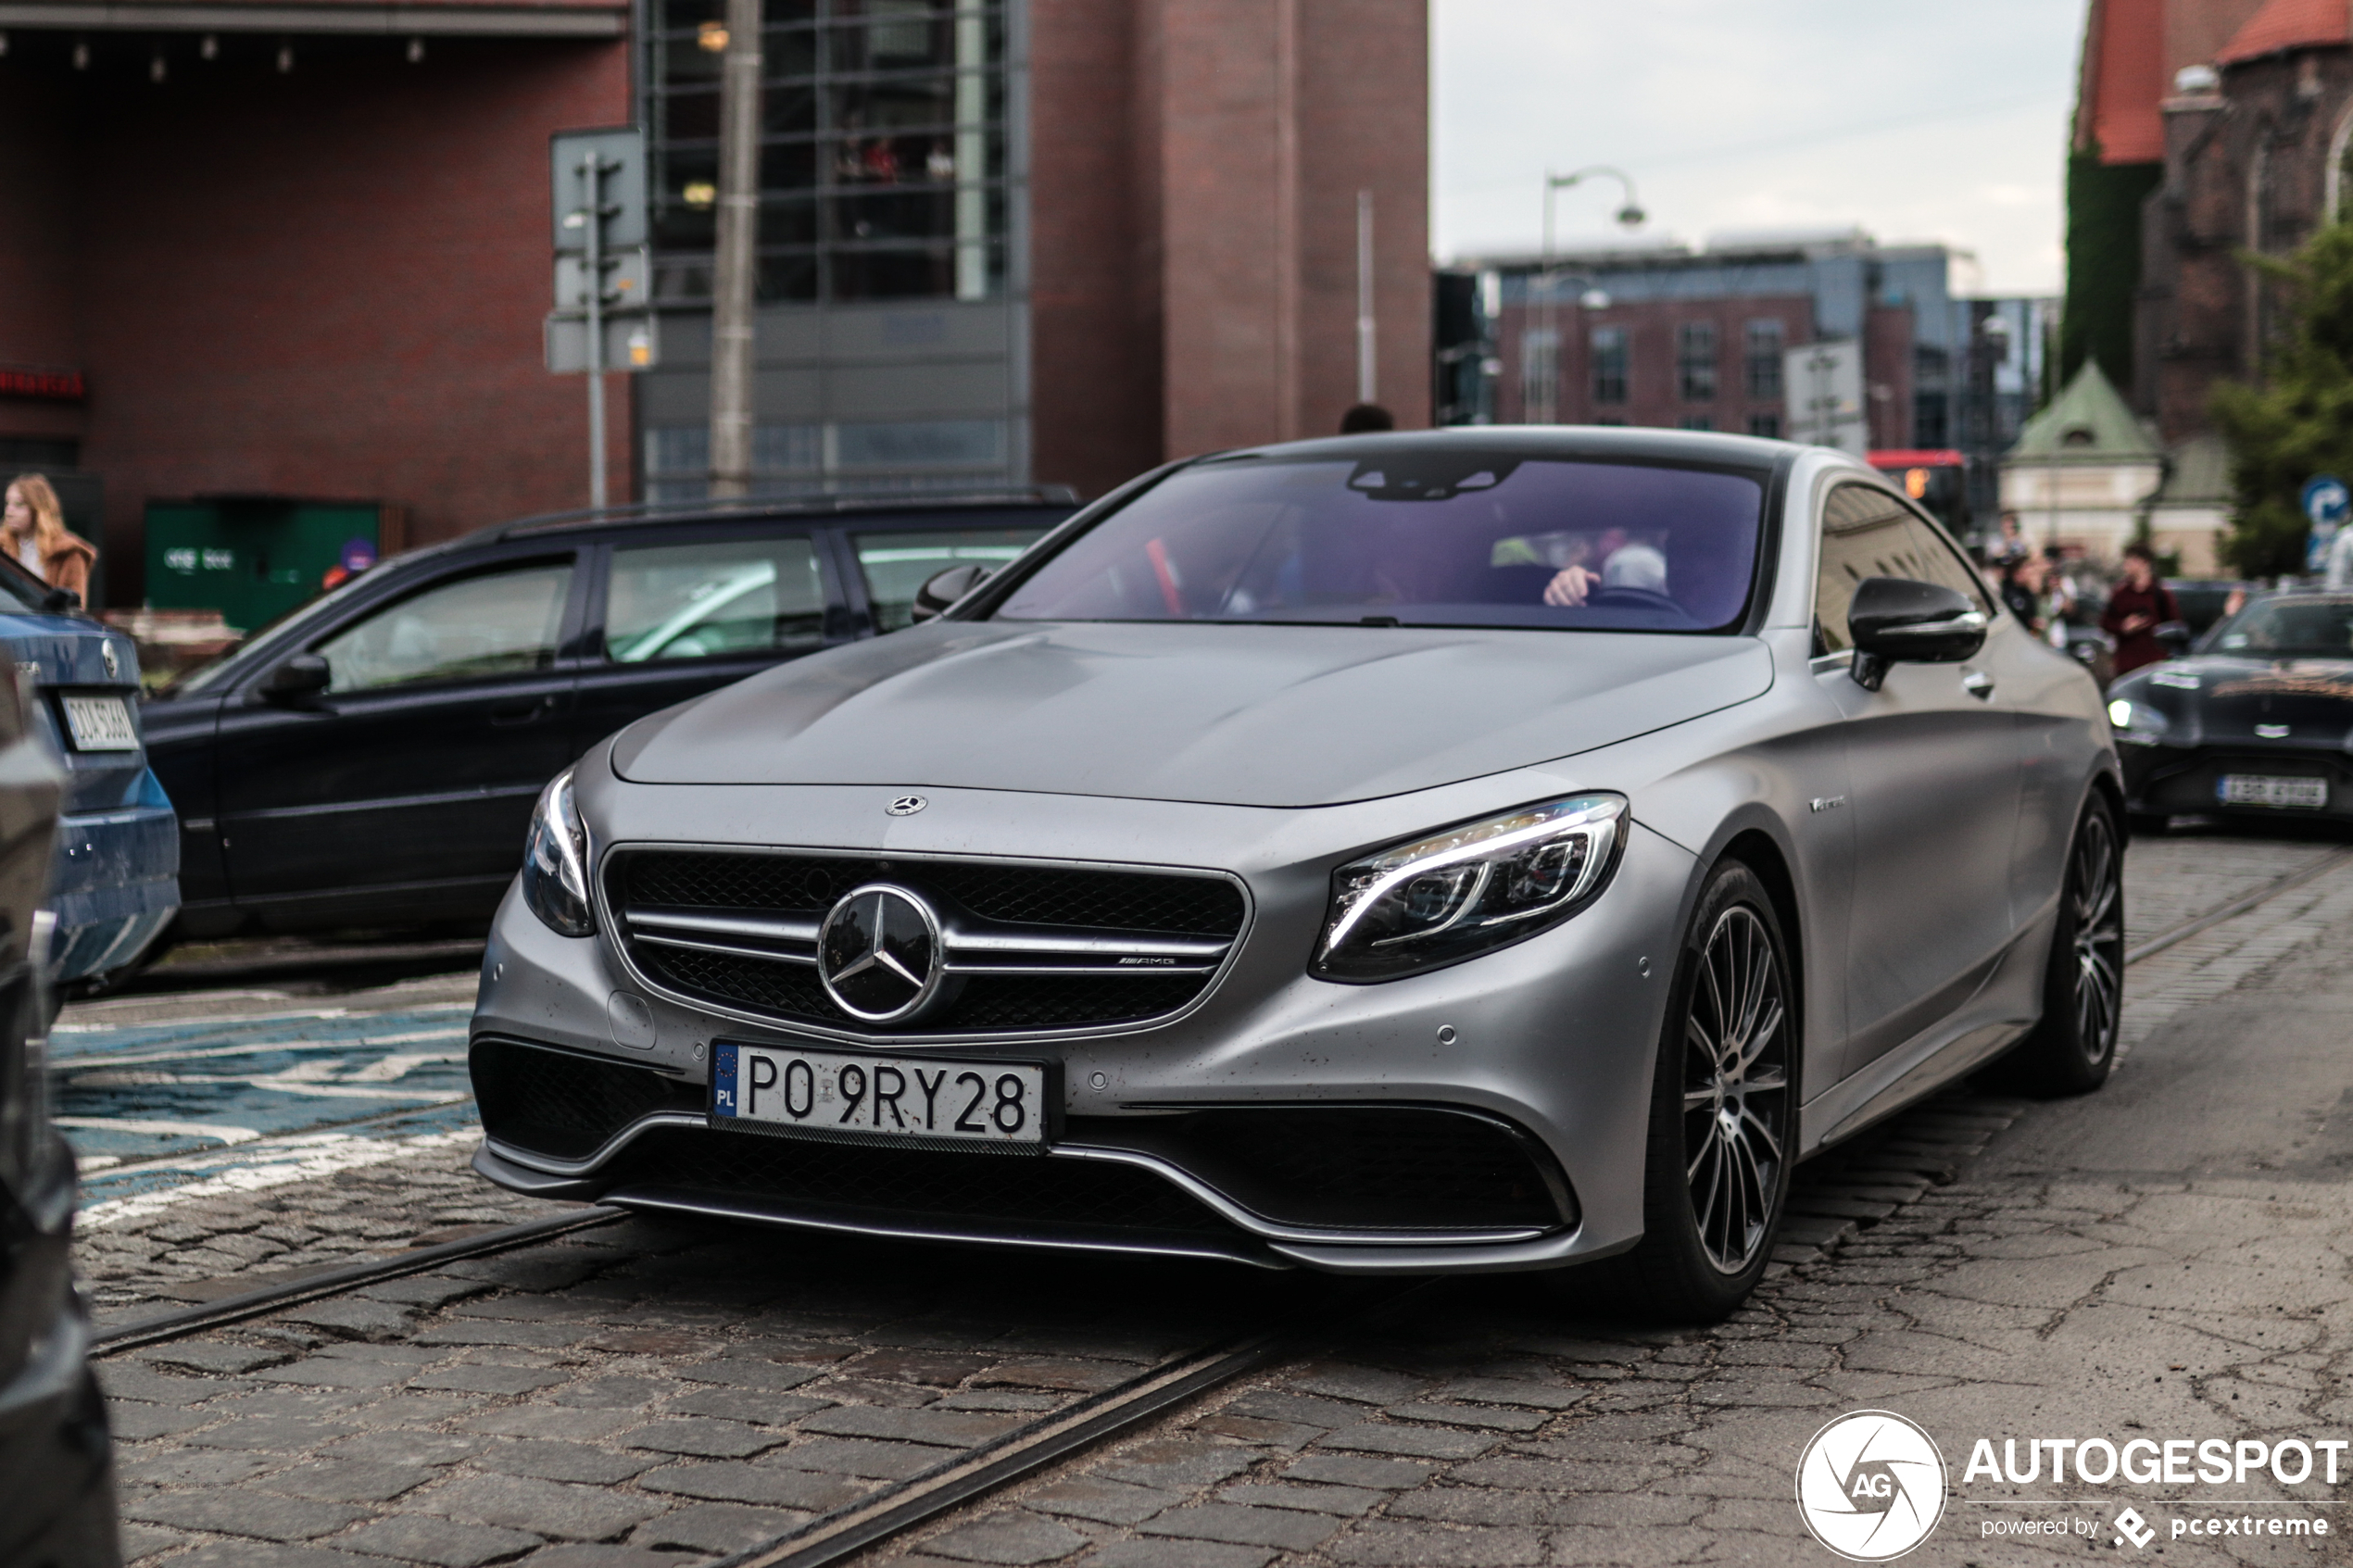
column 1545, row 1048
column 2186, row 781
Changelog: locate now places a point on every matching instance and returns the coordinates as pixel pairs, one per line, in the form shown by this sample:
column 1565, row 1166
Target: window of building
column 1695, row 361
column 1929, row 427
column 1766, row 344
column 800, row 460
column 1540, row 374
column 1610, row 365
column 883, row 148
column 1695, row 422
column 1767, row 425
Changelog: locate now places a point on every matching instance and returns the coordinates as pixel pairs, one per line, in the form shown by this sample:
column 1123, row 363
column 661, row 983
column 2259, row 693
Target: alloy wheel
column 1735, row 1089
column 2097, row 885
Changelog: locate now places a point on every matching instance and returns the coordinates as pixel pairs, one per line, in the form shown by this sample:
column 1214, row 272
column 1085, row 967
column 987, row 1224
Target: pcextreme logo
column 1870, row 1486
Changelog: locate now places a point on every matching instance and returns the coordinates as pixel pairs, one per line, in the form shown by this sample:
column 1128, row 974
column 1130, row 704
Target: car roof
column 758, row 507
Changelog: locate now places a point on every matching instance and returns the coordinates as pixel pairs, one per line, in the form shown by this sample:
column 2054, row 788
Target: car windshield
column 1457, row 537
column 2287, row 628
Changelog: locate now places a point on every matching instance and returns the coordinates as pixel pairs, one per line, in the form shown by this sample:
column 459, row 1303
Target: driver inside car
column 1639, row 567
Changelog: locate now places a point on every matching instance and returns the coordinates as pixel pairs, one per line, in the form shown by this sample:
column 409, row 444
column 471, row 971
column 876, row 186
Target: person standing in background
column 2138, row 607
column 33, row 529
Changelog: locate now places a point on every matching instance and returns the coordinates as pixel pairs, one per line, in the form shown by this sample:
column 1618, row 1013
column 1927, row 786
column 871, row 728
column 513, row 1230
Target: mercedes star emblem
column 906, row 806
column 879, row 954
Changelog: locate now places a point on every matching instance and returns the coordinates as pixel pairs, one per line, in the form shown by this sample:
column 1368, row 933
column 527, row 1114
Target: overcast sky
column 1917, row 120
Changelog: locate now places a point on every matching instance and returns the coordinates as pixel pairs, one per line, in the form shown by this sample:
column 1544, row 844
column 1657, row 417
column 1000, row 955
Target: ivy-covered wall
column 2102, row 263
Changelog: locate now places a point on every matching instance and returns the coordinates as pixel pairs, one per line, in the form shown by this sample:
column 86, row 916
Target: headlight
column 1462, row 892
column 555, row 862
column 2136, row 723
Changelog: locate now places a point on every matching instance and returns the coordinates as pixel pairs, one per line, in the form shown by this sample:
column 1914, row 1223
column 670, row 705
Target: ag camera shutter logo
column 1870, row 1486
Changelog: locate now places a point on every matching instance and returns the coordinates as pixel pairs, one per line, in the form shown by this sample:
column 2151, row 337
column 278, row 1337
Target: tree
column 2300, row 421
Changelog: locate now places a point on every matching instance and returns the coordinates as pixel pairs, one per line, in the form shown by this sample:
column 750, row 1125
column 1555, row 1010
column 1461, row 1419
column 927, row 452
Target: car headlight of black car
column 555, row 862
column 1470, row 889
column 2136, row 723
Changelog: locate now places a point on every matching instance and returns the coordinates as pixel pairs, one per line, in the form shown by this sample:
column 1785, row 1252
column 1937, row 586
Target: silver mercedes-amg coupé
column 1467, row 850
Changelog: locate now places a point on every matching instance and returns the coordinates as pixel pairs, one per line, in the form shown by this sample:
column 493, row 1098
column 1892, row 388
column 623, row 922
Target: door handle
column 1978, row 683
column 522, row 712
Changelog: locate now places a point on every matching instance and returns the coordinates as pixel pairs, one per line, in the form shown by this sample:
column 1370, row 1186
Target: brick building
column 253, row 249
column 2255, row 156
column 1694, row 339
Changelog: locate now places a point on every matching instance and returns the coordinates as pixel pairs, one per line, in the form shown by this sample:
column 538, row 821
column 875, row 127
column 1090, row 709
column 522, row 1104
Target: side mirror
column 306, row 674
column 1897, row 620
column 2174, row 635
column 944, row 588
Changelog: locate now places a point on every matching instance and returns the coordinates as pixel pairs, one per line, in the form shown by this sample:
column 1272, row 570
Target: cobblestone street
column 2167, row 1256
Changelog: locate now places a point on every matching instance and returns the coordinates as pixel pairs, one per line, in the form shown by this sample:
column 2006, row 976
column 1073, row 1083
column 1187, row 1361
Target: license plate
column 100, row 723
column 926, row 1097
column 2258, row 789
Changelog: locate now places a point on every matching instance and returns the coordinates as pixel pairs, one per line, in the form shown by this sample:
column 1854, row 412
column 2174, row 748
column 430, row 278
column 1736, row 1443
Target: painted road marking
column 306, row 1159
column 161, row 1129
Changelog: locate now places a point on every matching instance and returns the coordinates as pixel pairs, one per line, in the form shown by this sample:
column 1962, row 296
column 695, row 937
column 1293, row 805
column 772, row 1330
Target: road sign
column 1824, row 382
column 2326, row 502
column 632, row 342
column 622, row 154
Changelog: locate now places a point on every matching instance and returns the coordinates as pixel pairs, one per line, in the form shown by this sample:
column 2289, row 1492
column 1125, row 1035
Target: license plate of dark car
column 2259, row 789
column 927, row 1097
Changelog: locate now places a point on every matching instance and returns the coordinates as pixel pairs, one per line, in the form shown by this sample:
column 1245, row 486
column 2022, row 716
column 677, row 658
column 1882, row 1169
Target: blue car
column 115, row 882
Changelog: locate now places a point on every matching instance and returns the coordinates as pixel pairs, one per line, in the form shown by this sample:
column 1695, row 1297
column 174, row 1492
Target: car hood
column 2239, row 698
column 1245, row 715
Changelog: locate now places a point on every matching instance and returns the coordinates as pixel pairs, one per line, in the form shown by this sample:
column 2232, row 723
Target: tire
column 1723, row 1116
column 2073, row 1047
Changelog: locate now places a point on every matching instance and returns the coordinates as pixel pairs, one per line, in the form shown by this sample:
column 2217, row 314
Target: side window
column 1867, row 533
column 720, row 596
column 493, row 623
column 895, row 565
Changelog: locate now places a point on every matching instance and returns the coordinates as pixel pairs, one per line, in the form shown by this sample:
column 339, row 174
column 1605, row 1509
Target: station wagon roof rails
column 784, row 506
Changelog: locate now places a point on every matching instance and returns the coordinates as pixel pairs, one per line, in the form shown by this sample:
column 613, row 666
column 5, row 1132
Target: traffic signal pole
column 592, row 180
column 737, row 240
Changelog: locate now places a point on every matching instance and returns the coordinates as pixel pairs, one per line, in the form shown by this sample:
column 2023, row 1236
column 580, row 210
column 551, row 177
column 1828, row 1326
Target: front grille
column 910, row 1184
column 1354, row 1167
column 808, row 884
column 1006, row 897
column 559, row 1104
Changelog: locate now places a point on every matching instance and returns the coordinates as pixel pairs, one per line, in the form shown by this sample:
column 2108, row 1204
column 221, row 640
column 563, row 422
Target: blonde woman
column 33, row 529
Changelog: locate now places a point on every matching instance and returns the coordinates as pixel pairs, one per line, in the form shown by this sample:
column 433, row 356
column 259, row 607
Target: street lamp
column 1630, row 216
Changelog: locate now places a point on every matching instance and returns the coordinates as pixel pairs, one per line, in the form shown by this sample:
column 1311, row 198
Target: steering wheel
column 1632, row 598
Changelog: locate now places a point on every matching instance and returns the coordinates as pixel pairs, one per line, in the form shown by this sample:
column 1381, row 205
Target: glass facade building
column 889, row 289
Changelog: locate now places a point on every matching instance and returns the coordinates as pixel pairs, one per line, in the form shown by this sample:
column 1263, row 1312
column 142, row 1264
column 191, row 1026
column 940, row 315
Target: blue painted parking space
column 152, row 1104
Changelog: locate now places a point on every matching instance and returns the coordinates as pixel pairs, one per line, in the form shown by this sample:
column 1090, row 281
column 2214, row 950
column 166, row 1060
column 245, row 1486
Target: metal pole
column 731, row 314
column 592, row 181
column 1367, row 372
column 1550, row 316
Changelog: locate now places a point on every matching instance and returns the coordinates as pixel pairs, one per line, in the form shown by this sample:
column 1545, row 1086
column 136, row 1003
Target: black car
column 2253, row 722
column 371, row 758
column 57, row 1472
